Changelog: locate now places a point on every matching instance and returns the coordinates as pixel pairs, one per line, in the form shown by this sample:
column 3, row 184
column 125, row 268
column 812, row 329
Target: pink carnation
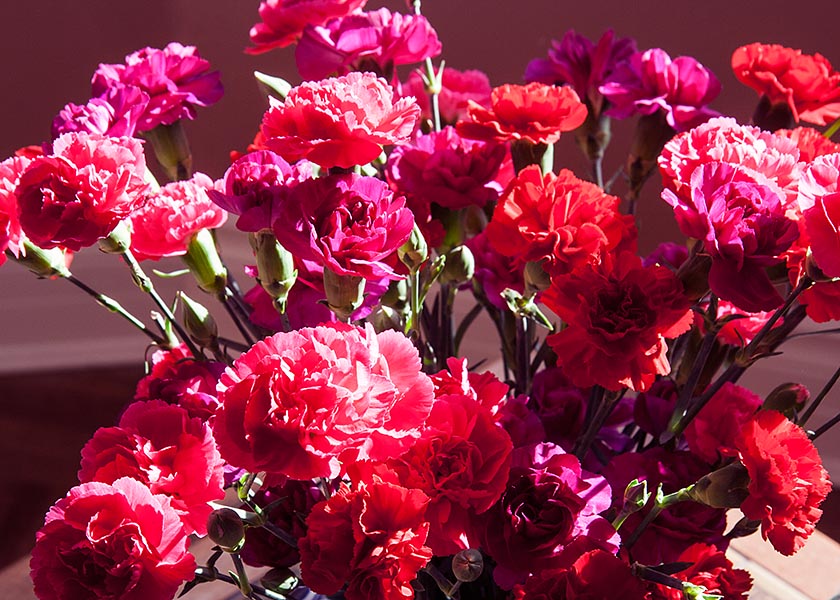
column 111, row 541
column 742, row 327
column 349, row 224
column 167, row 221
column 303, row 403
column 375, row 41
column 80, row 192
column 340, row 122
column 176, row 80
column 115, row 114
column 459, row 88
column 650, row 81
column 819, row 201
column 457, row 379
column 283, row 21
column 11, row 236
column 255, row 185
column 161, row 446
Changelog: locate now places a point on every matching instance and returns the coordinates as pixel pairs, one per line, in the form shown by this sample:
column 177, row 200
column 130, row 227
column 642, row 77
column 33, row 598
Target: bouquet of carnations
column 363, row 457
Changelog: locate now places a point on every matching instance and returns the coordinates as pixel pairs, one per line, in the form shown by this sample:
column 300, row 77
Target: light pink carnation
column 10, row 232
column 166, row 222
column 339, row 122
column 80, row 193
column 458, row 88
column 309, row 402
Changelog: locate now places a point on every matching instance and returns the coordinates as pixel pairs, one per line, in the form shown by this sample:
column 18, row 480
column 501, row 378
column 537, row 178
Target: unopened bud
column 694, row 275
column 46, row 264
column 788, row 399
column 636, row 494
column 275, row 267
column 724, row 488
column 345, row 293
column 414, row 251
column 205, row 264
column 594, row 135
column 459, row 267
column 474, row 219
column 225, row 529
column 467, row 565
column 536, row 279
column 172, row 150
column 118, row 241
column 198, row 321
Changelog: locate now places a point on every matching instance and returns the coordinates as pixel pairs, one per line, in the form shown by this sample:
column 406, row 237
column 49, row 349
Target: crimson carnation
column 371, row 538
column 711, row 434
column 550, row 505
column 176, row 80
column 709, row 569
column 339, row 122
column 458, row 88
column 618, row 315
column 283, row 21
column 11, row 235
column 595, row 575
column 536, row 113
column 169, row 219
column 807, row 84
column 80, row 192
column 376, row 41
column 349, row 224
column 558, row 220
column 297, row 403
column 787, row 480
column 111, row 541
column 164, row 448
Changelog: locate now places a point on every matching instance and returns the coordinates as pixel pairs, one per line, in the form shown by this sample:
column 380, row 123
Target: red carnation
column 537, row 113
column 806, row 83
column 339, row 122
column 111, row 541
column 618, row 315
column 558, row 219
column 371, row 538
column 283, row 21
column 811, row 142
column 713, row 431
column 787, row 480
column 709, row 569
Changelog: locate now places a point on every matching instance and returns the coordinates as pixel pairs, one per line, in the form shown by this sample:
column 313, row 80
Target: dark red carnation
column 709, row 569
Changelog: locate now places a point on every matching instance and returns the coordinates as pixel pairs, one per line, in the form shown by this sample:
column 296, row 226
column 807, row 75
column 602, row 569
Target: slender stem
column 144, row 283
column 829, row 133
column 600, row 407
column 826, row 426
column 115, row 307
column 280, row 534
column 465, row 324
column 229, row 304
column 524, row 336
column 818, row 400
column 687, row 393
column 598, row 171
column 659, row 505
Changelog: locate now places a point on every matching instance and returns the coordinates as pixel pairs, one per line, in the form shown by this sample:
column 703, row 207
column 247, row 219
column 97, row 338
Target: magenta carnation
column 458, row 88
column 176, row 80
column 283, row 21
column 743, row 227
column 305, row 402
column 80, row 192
column 650, row 81
column 168, row 220
column 114, row 114
column 349, row 224
column 375, row 41
column 495, row 272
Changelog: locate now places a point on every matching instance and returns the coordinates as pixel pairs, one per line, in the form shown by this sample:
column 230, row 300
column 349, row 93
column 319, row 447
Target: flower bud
column 459, row 267
column 275, row 267
column 172, row 150
column 536, row 279
column 205, row 264
column 44, row 263
column 199, row 322
column 474, row 220
column 594, row 135
column 652, row 133
column 724, row 488
column 414, row 251
column 118, row 241
column 636, row 494
column 467, row 565
column 225, row 528
column 280, row 580
column 345, row 293
column 694, row 275
column 788, row 399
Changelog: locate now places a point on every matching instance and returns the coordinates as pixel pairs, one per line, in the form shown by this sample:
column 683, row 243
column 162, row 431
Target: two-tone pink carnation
column 81, row 192
column 176, row 79
column 11, row 235
column 349, row 224
column 339, row 122
column 114, row 114
column 169, row 219
column 306, row 402
column 819, row 201
column 376, row 41
column 650, row 82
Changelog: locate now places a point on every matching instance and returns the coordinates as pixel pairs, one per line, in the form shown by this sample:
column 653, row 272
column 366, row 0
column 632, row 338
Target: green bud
column 172, row 150
column 414, row 251
column 724, row 488
column 199, row 322
column 275, row 267
column 459, row 267
column 118, row 241
column 205, row 264
column 226, row 529
column 46, row 264
column 345, row 293
column 273, row 86
column 788, row 399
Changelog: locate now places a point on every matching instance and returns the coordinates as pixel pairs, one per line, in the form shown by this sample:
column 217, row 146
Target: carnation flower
column 371, row 538
column 178, row 378
column 711, row 434
column 444, row 168
column 161, row 446
column 811, row 142
column 339, row 122
column 111, row 541
column 536, row 113
column 255, row 185
column 742, row 326
column 710, row 569
column 558, row 220
column 744, row 229
column 618, row 315
column 581, row 64
column 495, row 272
column 457, row 379
column 458, row 88
column 550, row 504
column 595, row 575
column 375, row 41
column 806, row 84
column 80, row 192
column 301, row 403
column 115, row 114
column 819, row 201
column 650, row 82
column 787, row 480
column 283, row 21
column 176, row 79
column 560, row 406
column 11, row 235
column 168, row 220
column 349, row 224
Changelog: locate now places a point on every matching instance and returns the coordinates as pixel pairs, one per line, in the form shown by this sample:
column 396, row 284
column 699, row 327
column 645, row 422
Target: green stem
column 829, row 133
column 244, row 583
column 661, row 504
